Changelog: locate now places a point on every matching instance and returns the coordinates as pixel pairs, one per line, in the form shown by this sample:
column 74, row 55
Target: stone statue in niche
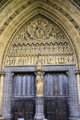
column 60, row 49
column 39, row 65
column 66, row 60
column 39, row 33
column 39, row 84
column 56, row 47
column 51, row 47
column 71, row 59
column 39, row 78
column 65, row 47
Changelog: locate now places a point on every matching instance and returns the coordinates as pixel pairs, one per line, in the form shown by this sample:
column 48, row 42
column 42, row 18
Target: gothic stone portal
column 40, row 38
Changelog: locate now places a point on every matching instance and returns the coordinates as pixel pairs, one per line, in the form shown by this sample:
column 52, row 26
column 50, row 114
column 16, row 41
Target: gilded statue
column 39, row 84
column 39, row 65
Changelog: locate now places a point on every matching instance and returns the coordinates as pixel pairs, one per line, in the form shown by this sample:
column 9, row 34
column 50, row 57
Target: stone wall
column 73, row 87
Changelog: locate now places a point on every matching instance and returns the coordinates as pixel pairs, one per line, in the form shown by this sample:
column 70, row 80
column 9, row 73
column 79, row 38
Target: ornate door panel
column 50, row 109
column 24, row 109
column 55, row 84
column 61, row 109
column 56, row 109
column 24, row 84
column 29, row 110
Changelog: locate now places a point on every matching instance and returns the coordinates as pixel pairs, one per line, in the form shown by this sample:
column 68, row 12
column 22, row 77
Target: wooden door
column 24, row 109
column 56, row 109
column 56, row 92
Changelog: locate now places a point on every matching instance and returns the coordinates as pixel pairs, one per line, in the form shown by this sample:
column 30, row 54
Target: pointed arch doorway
column 42, row 38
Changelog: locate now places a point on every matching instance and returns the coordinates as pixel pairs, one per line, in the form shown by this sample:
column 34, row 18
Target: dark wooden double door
column 54, row 109
column 55, row 91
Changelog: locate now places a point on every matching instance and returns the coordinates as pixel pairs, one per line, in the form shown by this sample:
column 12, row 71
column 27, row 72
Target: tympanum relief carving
column 40, row 38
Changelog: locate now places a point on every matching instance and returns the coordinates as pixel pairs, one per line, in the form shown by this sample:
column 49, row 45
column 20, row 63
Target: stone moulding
column 45, row 1
column 76, row 3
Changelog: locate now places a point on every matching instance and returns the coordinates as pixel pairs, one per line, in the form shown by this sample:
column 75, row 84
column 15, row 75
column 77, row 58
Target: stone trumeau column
column 2, row 73
column 39, row 115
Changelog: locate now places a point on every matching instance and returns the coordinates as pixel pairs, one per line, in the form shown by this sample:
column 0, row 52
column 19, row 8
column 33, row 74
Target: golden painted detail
column 39, row 65
column 39, row 78
column 40, row 38
column 39, row 84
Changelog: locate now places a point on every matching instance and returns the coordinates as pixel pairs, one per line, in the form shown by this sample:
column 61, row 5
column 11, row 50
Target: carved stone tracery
column 40, row 38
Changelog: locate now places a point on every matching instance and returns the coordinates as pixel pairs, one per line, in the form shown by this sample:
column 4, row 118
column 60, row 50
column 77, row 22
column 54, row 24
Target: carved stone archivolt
column 47, row 2
column 40, row 38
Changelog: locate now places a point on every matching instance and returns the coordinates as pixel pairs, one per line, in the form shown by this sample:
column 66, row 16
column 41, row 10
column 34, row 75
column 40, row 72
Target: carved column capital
column 77, row 71
column 2, row 72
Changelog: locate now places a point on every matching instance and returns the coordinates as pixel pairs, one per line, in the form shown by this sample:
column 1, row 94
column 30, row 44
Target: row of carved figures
column 31, row 60
column 40, row 48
